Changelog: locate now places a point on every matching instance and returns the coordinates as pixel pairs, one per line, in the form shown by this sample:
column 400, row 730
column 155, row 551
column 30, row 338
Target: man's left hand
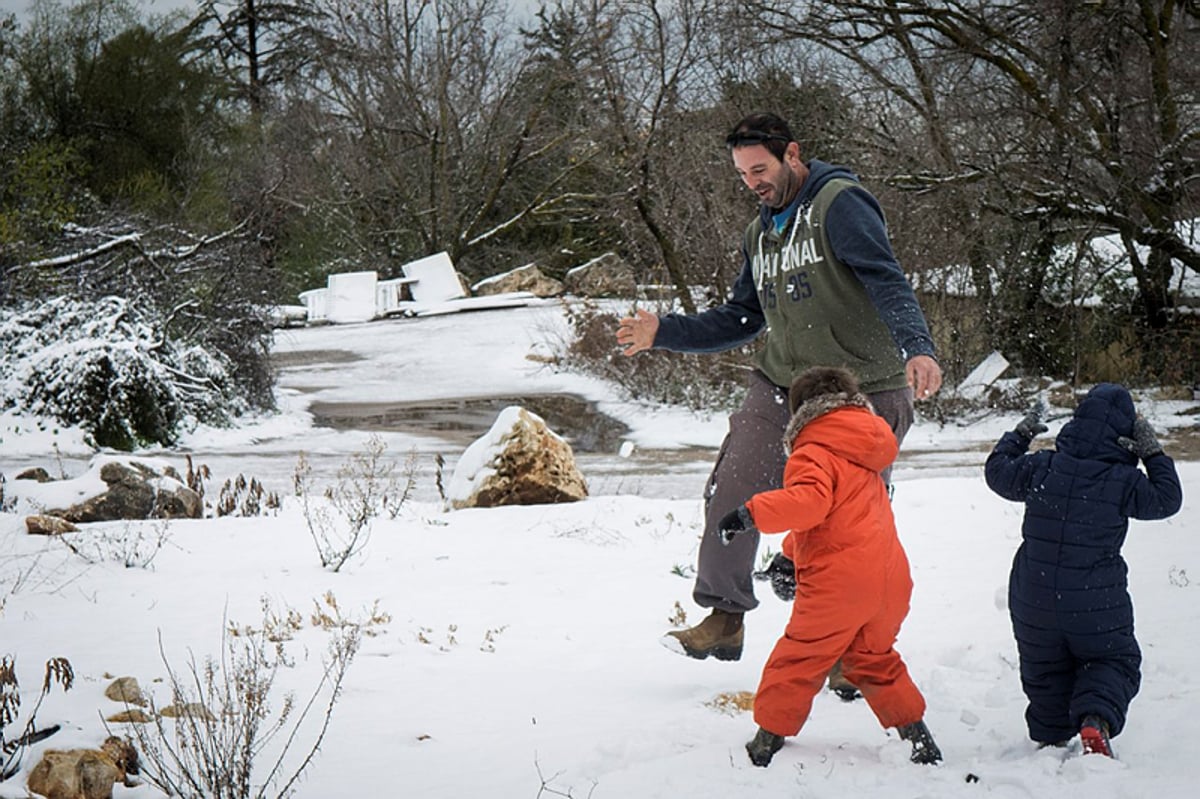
column 924, row 376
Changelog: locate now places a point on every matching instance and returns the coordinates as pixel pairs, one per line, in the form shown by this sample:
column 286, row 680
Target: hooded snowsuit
column 1067, row 594
column 852, row 578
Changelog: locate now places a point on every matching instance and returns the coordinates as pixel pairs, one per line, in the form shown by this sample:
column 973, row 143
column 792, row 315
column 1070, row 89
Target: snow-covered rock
column 519, row 461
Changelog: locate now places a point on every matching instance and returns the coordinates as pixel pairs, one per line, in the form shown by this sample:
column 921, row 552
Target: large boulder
column 520, row 461
column 524, row 278
column 606, row 276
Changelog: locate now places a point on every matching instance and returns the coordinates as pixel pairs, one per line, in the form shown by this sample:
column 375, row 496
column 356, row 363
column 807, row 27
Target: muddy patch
column 291, row 360
column 466, row 419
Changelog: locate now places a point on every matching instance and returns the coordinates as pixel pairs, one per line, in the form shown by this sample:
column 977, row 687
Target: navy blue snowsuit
column 1067, row 593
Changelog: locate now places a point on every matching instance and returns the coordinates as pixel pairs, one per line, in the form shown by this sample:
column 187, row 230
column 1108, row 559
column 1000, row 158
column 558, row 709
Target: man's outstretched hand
column 636, row 333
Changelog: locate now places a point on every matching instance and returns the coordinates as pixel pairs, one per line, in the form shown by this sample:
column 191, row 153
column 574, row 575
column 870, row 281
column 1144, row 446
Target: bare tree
column 433, row 134
column 648, row 64
column 1091, row 120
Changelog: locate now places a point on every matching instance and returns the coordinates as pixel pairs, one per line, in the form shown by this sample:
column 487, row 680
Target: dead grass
column 732, row 702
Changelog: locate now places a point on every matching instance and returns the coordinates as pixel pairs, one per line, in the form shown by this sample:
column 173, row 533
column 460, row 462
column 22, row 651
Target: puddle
column 291, row 360
column 462, row 420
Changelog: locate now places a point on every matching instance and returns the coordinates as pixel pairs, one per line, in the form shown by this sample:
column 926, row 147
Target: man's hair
column 820, row 380
column 763, row 128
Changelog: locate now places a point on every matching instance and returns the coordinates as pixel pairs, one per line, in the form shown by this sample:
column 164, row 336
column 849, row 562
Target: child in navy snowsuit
column 1071, row 611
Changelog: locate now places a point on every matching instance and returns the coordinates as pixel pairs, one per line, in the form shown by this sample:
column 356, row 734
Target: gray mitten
column 1144, row 443
column 1032, row 424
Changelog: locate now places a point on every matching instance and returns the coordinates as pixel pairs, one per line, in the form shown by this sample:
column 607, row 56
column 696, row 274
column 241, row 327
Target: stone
column 135, row 490
column 524, row 278
column 127, row 691
column 520, row 461
column 132, row 716
column 41, row 524
column 606, row 276
column 84, row 773
column 193, row 710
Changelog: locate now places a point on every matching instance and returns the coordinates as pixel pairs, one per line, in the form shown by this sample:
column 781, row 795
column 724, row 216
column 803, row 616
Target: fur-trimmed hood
column 819, row 406
column 818, row 420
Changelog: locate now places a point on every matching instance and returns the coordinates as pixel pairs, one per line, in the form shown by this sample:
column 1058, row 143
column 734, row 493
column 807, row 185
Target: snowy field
column 520, row 655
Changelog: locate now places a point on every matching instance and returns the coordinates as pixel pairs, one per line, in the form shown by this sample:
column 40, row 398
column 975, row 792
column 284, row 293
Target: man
column 820, row 277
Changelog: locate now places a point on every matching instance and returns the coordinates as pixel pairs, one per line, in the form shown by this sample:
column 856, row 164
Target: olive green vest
column 817, row 311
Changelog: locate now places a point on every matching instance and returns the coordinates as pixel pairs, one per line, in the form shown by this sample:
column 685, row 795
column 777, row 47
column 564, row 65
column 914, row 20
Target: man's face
column 775, row 182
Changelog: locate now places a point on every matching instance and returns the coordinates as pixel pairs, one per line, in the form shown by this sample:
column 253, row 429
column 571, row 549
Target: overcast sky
column 19, row 7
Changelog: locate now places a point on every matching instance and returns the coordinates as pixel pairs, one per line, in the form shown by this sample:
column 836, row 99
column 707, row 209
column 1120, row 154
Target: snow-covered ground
column 521, row 654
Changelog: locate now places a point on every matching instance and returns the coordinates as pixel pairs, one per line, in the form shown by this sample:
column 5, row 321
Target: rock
column 520, row 461
column 37, row 473
column 606, row 276
column 84, row 773
column 126, row 691
column 132, row 716
column 136, row 489
column 40, row 524
column 193, row 710
column 524, row 278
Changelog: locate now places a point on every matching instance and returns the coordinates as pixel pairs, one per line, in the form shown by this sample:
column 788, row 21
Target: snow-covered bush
column 106, row 365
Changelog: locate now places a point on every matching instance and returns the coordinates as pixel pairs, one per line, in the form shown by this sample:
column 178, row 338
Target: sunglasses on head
column 742, row 137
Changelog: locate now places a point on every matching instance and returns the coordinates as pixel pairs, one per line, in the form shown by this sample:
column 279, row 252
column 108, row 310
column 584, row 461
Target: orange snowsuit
column 852, row 577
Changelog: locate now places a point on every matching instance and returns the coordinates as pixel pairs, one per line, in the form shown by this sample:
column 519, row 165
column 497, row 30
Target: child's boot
column 763, row 747
column 1093, row 733
column 924, row 750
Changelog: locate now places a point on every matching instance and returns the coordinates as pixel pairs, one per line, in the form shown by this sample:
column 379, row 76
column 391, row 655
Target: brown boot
column 719, row 635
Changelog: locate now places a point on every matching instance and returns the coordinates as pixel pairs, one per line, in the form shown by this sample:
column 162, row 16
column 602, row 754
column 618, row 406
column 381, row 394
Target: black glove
column 736, row 521
column 1144, row 444
column 1032, row 424
column 782, row 574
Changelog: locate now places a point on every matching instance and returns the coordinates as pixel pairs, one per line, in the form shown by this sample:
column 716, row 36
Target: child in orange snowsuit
column 852, row 578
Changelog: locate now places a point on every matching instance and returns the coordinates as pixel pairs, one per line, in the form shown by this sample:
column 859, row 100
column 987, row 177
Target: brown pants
column 751, row 460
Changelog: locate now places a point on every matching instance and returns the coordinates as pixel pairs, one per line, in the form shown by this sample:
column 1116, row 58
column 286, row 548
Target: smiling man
column 819, row 277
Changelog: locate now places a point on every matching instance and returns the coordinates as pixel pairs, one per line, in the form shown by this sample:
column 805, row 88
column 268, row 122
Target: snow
column 1108, row 261
column 521, row 653
column 474, row 467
